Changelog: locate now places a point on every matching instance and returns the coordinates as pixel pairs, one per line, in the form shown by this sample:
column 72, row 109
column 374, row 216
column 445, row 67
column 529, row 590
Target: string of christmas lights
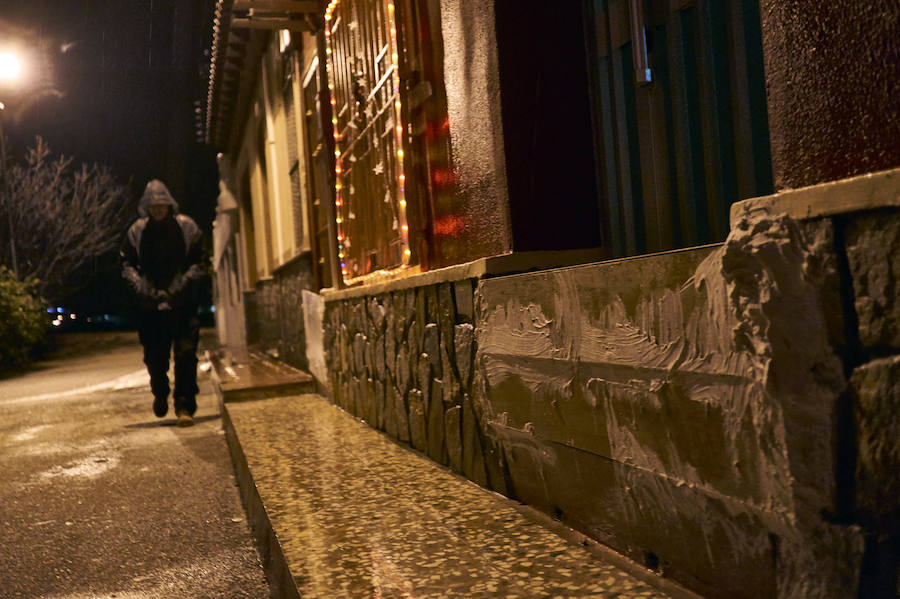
column 343, row 238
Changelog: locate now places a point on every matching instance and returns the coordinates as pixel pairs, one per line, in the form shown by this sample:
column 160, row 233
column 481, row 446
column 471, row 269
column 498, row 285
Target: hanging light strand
column 342, row 200
column 342, row 238
column 398, row 140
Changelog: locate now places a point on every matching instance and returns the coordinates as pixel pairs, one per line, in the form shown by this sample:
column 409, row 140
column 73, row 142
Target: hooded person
column 162, row 259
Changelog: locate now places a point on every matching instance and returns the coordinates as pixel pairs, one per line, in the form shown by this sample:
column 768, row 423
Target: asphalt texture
column 100, row 499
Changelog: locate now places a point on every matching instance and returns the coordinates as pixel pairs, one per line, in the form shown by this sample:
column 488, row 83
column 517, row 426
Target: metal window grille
column 370, row 183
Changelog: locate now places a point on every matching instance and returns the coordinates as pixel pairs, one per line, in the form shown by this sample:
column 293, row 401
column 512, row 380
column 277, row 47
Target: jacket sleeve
column 183, row 287
column 130, row 270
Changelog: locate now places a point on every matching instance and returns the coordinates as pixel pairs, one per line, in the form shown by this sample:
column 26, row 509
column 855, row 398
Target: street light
column 10, row 74
column 10, row 66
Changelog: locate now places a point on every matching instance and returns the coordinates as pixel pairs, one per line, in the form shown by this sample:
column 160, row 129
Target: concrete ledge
column 257, row 378
column 275, row 566
column 493, row 266
column 340, row 510
column 865, row 192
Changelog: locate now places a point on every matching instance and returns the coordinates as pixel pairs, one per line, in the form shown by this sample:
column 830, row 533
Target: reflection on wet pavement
column 359, row 516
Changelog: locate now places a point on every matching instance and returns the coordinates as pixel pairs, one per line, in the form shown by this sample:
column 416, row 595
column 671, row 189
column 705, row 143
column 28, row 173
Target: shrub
column 22, row 326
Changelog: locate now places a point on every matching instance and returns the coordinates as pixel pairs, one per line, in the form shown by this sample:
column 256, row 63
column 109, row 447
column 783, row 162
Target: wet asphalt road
column 100, row 499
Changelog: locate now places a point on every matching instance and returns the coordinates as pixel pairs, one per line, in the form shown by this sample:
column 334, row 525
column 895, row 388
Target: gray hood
column 156, row 192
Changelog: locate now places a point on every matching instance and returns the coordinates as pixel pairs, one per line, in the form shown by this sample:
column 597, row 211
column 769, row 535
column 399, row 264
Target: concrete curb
column 274, row 564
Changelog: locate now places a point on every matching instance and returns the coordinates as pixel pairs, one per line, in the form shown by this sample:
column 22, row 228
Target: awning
column 240, row 29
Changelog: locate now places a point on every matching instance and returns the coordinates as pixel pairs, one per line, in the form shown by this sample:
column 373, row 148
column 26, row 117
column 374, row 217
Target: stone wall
column 872, row 247
column 680, row 408
column 403, row 362
column 275, row 318
column 727, row 414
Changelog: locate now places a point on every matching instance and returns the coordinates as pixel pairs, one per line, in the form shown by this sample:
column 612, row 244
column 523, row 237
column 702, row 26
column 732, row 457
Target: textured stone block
column 291, row 322
column 402, row 415
column 390, row 411
column 344, row 348
column 825, row 565
column 378, row 400
column 380, row 360
column 359, row 315
column 495, row 465
column 359, row 354
column 464, row 335
column 635, row 511
column 346, row 398
column 822, row 269
column 708, row 376
column 413, row 346
column 398, row 316
column 421, row 318
column 436, row 450
column 877, row 417
column 453, row 437
column 368, row 403
column 449, row 382
column 403, row 370
column 473, row 455
column 873, row 254
column 432, row 305
column 377, row 312
column 431, row 346
column 464, row 297
column 359, row 398
column 417, row 423
column 335, row 384
column 409, row 306
column 390, row 352
column 423, row 378
column 369, row 355
column 446, row 315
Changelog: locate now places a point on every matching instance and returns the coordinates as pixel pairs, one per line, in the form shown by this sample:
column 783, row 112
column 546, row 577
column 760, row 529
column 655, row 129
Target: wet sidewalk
column 100, row 499
column 344, row 511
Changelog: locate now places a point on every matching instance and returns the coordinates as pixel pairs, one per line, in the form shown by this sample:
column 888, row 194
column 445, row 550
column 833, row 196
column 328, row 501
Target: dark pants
column 172, row 331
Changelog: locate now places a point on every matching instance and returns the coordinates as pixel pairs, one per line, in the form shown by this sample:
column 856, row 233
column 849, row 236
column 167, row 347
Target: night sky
column 123, row 80
column 130, row 74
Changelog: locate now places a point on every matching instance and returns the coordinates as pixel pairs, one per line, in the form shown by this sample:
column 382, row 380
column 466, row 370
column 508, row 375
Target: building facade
column 631, row 263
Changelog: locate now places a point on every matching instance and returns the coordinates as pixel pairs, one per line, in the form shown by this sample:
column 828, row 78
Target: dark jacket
column 163, row 261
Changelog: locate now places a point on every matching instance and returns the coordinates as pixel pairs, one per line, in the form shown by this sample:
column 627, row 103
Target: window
column 289, row 101
column 679, row 118
column 370, row 188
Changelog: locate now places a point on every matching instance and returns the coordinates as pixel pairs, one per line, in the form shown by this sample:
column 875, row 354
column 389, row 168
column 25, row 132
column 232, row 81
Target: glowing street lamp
column 10, row 73
column 10, row 66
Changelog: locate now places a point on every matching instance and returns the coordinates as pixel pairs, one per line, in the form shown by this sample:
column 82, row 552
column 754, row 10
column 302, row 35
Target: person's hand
column 143, row 288
column 161, row 296
column 177, row 286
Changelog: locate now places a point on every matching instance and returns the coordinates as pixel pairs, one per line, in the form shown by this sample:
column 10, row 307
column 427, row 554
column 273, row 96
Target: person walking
column 162, row 262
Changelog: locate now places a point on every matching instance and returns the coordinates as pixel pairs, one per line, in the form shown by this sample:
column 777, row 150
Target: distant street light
column 10, row 73
column 10, row 66
column 26, row 77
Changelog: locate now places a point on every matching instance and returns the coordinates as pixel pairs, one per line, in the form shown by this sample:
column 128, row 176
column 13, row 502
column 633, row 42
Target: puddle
column 28, row 434
column 89, row 467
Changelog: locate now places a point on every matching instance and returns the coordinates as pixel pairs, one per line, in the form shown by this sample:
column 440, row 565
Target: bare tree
column 59, row 218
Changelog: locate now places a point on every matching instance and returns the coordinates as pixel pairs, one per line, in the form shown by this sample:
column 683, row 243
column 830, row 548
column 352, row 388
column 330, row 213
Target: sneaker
column 160, row 405
column 185, row 418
